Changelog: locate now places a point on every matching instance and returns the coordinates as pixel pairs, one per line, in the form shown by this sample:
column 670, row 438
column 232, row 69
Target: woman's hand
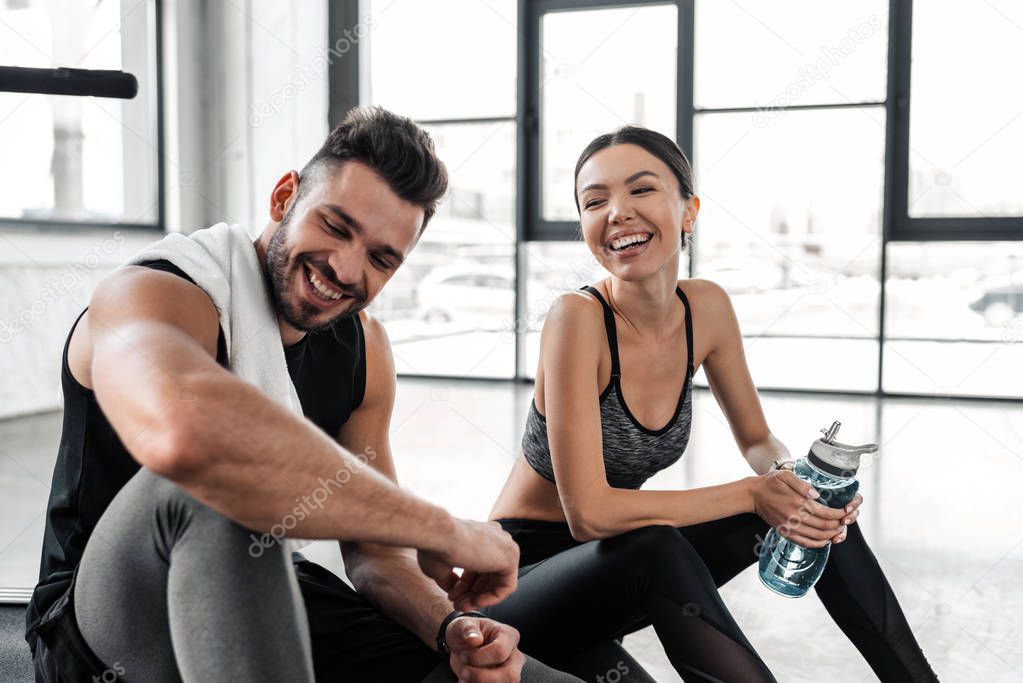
column 852, row 511
column 788, row 503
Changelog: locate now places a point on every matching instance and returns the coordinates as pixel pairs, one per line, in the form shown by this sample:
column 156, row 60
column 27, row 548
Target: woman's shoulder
column 704, row 294
column 713, row 315
column 573, row 308
column 572, row 319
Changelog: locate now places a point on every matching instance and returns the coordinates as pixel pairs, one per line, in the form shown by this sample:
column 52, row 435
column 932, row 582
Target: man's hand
column 489, row 558
column 484, row 651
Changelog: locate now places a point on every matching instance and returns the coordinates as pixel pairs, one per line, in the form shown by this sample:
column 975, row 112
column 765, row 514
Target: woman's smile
column 626, row 244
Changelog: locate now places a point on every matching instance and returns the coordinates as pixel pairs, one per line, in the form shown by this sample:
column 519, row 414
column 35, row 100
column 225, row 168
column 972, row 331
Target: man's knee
column 147, row 490
column 171, row 513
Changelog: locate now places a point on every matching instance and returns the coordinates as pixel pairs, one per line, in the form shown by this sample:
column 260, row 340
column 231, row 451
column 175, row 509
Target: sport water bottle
column 830, row 467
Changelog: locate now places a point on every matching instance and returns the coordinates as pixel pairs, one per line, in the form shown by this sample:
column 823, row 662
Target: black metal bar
column 876, row 395
column 788, row 107
column 342, row 74
column 546, row 6
column 762, row 390
column 522, row 215
column 161, row 171
column 953, row 229
column 489, row 379
column 65, row 81
column 900, row 55
column 532, row 44
column 685, row 71
column 554, row 231
column 477, row 120
column 893, row 101
column 838, row 337
column 799, row 337
column 52, row 225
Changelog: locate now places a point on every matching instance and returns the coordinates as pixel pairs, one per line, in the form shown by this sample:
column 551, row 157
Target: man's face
column 337, row 245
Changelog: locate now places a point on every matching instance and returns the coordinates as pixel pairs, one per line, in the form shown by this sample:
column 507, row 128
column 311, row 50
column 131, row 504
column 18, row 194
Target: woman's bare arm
column 593, row 508
column 731, row 383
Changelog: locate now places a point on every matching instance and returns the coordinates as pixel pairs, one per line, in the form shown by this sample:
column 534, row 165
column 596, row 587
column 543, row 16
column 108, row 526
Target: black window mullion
column 900, row 227
column 535, row 227
column 160, row 225
column 685, row 88
column 161, row 171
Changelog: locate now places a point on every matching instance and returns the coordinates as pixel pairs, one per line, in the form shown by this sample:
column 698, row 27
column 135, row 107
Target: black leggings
column 572, row 596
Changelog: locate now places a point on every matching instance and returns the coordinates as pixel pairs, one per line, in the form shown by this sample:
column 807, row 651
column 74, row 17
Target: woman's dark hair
column 662, row 147
column 397, row 150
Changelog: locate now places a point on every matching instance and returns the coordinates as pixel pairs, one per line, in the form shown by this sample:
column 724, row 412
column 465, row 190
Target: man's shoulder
column 166, row 266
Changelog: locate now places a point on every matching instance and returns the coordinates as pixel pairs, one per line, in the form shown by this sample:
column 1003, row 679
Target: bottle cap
column 836, row 458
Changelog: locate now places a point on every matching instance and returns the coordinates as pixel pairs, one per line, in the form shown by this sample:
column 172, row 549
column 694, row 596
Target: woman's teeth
column 628, row 241
column 321, row 288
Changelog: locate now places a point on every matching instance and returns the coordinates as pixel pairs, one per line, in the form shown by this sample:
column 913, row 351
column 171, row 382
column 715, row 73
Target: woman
column 601, row 558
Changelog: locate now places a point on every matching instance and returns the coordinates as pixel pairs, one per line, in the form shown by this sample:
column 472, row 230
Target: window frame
column 896, row 225
column 899, row 225
column 533, row 226
column 51, row 225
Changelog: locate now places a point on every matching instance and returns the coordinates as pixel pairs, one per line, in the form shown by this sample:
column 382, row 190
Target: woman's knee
column 655, row 545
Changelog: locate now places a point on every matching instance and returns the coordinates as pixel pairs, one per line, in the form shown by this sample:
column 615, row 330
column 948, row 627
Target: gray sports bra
column 632, row 453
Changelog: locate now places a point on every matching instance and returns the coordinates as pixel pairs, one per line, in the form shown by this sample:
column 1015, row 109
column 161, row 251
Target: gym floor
column 948, row 534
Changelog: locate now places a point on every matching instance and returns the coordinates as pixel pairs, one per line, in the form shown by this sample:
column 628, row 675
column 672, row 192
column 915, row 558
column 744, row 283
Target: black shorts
column 61, row 654
column 351, row 639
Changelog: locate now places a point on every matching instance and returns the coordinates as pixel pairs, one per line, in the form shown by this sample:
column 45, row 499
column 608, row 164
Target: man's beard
column 296, row 313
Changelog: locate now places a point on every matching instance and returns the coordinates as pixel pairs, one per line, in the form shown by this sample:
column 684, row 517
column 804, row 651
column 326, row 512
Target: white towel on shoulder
column 222, row 260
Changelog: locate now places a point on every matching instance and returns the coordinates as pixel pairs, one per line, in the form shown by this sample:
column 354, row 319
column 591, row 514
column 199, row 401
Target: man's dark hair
column 393, row 146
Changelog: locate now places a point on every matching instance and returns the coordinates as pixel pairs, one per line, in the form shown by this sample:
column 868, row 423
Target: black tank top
column 632, row 452
column 328, row 369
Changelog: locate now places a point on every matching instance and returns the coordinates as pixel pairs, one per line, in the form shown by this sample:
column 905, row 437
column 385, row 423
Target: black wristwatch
column 442, row 643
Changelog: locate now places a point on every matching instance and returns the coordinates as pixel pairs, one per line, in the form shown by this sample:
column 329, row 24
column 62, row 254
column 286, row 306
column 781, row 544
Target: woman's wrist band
column 442, row 643
column 783, row 465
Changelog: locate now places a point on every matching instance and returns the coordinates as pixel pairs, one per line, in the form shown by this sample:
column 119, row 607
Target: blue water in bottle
column 790, row 569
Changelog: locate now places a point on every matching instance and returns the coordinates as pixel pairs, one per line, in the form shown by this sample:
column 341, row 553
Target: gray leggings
column 168, row 591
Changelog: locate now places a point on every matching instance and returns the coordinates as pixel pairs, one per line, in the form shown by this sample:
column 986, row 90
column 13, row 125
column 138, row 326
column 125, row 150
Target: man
column 162, row 558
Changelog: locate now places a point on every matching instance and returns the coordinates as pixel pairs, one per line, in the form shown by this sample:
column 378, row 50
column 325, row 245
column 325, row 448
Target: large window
column 958, row 125
column 973, row 170
column 80, row 159
column 789, row 163
column 954, row 318
column 824, row 139
column 584, row 91
column 451, row 307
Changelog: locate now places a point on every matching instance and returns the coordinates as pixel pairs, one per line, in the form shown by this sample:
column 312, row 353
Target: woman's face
column 632, row 211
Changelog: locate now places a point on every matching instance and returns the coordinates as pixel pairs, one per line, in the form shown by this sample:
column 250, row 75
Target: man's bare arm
column 225, row 442
column 387, row 576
